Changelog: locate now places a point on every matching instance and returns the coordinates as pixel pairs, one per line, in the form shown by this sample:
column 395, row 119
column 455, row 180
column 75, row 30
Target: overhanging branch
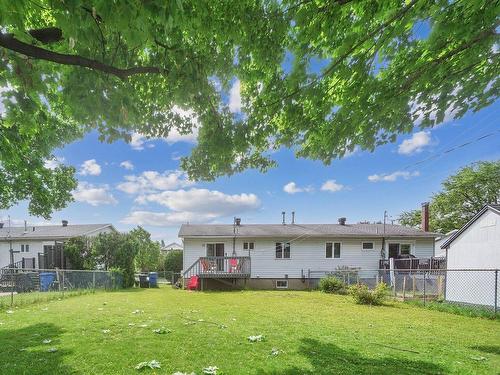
column 8, row 41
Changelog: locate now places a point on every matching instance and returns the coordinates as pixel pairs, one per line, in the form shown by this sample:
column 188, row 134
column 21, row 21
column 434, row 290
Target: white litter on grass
column 47, row 341
column 137, row 311
column 23, row 349
column 183, row 373
column 100, row 309
column 222, row 326
column 143, row 325
column 210, row 370
column 275, row 352
column 151, row 364
column 106, row 331
column 255, row 338
column 161, row 331
column 52, row 350
column 131, row 324
column 479, row 358
column 45, row 309
column 189, row 323
column 10, row 312
column 201, row 320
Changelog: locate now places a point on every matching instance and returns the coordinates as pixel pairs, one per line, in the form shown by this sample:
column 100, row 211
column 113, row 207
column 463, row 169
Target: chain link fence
column 468, row 288
column 24, row 286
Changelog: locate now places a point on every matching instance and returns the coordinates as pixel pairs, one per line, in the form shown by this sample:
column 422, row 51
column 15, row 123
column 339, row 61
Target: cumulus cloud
column 93, row 195
column 90, row 168
column 332, row 186
column 53, row 163
column 193, row 205
column 415, row 144
column 292, row 188
column 393, row 176
column 235, row 97
column 127, row 164
column 137, row 141
column 150, row 181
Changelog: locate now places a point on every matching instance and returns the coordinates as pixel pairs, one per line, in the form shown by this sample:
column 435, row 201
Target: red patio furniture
column 193, row 282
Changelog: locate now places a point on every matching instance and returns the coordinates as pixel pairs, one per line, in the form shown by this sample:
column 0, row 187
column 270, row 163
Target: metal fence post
column 12, row 287
column 62, row 277
column 496, row 291
column 425, row 296
column 93, row 280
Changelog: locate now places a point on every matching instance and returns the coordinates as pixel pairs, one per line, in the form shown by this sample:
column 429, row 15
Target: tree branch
column 8, row 41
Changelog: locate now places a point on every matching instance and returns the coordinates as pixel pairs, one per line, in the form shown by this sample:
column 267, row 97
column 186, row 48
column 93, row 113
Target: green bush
column 333, row 285
column 364, row 296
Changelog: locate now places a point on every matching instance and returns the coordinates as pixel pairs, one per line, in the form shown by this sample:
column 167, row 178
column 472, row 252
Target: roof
column 50, row 232
column 495, row 208
column 306, row 230
column 173, row 245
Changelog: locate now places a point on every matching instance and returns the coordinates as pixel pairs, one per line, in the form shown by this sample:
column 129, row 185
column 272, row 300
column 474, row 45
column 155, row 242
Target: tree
column 67, row 68
column 463, row 195
column 173, row 261
column 148, row 251
column 116, row 250
column 78, row 251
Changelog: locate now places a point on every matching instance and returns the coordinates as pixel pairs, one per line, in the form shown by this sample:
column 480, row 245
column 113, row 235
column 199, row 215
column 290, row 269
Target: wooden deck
column 220, row 268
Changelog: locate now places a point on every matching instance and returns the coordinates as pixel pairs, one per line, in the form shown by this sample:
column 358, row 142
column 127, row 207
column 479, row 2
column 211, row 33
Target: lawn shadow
column 327, row 358
column 491, row 349
column 23, row 351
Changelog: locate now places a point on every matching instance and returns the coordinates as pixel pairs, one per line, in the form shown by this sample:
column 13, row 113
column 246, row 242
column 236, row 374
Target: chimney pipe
column 65, row 223
column 1, row 225
column 293, row 217
column 425, row 217
column 25, row 226
column 283, row 217
column 237, row 221
column 342, row 220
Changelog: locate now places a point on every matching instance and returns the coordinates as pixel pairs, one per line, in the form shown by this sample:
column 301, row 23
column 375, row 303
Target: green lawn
column 313, row 332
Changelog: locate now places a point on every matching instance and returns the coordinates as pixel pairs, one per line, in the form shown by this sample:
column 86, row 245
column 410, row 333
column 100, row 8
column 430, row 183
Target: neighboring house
column 272, row 256
column 171, row 247
column 475, row 246
column 41, row 246
column 441, row 240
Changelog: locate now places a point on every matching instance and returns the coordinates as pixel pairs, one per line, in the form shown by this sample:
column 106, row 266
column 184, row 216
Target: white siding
column 478, row 247
column 304, row 255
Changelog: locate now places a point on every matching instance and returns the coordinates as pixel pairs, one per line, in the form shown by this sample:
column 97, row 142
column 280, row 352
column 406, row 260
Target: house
column 42, row 246
column 174, row 246
column 269, row 256
column 475, row 247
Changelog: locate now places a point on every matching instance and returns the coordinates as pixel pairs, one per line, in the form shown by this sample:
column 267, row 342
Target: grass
column 315, row 333
column 24, row 299
column 455, row 308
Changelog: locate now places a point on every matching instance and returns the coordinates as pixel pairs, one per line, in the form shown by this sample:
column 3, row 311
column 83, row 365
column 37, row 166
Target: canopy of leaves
column 173, row 261
column 463, row 195
column 67, row 68
column 148, row 251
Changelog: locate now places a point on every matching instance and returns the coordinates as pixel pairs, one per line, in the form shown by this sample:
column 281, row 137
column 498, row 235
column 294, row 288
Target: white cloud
column 137, row 141
column 415, row 144
column 292, row 188
column 150, row 181
column 194, row 205
column 127, row 164
column 90, row 168
column 164, row 219
column 93, row 195
column 209, row 202
column 53, row 163
column 235, row 97
column 332, row 186
column 393, row 176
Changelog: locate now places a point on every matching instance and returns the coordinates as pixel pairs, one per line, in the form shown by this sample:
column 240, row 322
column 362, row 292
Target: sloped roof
column 489, row 207
column 49, row 232
column 173, row 245
column 306, row 230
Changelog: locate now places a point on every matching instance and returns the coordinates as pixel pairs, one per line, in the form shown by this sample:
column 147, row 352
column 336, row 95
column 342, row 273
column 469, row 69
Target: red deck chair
column 193, row 282
column 233, row 265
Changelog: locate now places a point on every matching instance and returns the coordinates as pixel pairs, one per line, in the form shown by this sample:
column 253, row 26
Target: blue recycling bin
column 46, row 279
column 153, row 279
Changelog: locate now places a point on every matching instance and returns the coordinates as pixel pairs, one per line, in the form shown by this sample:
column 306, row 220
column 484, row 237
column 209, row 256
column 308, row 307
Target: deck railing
column 220, row 267
column 433, row 263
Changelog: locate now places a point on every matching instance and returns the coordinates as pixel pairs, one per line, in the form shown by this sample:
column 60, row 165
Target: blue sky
column 140, row 183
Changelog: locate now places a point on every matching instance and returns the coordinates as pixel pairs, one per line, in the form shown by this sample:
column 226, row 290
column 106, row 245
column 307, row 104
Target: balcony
column 220, row 267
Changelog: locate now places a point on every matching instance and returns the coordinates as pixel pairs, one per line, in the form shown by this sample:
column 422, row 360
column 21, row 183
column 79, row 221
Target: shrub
column 364, row 296
column 333, row 285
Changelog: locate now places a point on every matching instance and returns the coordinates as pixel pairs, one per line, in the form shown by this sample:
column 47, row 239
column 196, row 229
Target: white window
column 332, row 249
column 25, row 248
column 22, row 248
column 368, row 246
column 281, row 284
column 282, row 250
column 248, row 246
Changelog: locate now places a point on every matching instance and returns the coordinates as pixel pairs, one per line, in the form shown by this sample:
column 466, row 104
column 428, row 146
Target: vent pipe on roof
column 25, row 226
column 237, row 221
column 342, row 220
column 283, row 217
column 65, row 223
column 293, row 217
column 1, row 225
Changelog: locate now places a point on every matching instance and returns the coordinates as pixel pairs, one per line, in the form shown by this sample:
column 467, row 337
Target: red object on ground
column 193, row 283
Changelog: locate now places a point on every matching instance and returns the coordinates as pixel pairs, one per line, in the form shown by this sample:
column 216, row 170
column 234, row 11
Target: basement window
column 281, row 284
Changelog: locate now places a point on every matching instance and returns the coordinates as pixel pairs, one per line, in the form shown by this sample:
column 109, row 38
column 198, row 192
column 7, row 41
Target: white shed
column 473, row 260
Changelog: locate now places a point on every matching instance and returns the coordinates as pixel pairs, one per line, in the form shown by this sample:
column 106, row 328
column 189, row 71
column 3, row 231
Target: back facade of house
column 268, row 256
